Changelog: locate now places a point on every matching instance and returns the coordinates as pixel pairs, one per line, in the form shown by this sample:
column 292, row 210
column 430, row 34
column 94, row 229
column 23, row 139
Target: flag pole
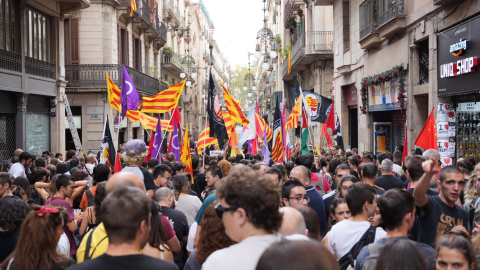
column 166, row 130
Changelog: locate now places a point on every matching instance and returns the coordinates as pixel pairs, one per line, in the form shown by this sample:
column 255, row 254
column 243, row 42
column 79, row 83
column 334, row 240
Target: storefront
column 384, row 97
column 459, row 87
column 350, row 94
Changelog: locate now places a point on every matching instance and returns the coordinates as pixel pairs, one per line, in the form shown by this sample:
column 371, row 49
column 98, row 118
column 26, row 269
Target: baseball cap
column 138, row 146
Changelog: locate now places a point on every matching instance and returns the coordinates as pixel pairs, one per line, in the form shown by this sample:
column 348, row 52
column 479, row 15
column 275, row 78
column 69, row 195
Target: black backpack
column 349, row 259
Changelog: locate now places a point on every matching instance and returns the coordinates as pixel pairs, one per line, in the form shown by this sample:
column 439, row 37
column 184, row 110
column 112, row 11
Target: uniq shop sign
column 458, row 57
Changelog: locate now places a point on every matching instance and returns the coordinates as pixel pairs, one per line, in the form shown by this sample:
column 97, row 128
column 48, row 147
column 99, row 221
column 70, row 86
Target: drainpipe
column 410, row 91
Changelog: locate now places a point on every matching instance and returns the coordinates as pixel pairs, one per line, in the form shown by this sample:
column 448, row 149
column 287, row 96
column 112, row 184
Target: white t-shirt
column 89, row 167
column 345, row 234
column 397, row 169
column 63, row 245
column 189, row 205
column 241, row 256
column 17, row 170
column 191, row 237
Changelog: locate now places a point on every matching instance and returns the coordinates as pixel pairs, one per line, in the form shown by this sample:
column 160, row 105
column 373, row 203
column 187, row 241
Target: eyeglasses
column 219, row 209
column 208, row 177
column 293, row 179
column 168, row 178
column 301, row 198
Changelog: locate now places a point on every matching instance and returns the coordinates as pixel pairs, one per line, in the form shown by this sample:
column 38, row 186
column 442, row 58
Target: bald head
column 293, row 222
column 431, row 153
column 17, row 152
column 162, row 194
column 124, row 179
column 302, row 174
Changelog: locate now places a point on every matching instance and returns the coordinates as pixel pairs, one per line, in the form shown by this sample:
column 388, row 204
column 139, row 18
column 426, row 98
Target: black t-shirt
column 437, row 218
column 137, row 262
column 413, row 234
column 8, row 241
column 199, row 182
column 180, row 226
column 6, row 198
column 388, row 182
column 147, row 179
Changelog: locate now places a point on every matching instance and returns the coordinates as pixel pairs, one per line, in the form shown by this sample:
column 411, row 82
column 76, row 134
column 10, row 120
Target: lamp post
column 266, row 35
column 188, row 63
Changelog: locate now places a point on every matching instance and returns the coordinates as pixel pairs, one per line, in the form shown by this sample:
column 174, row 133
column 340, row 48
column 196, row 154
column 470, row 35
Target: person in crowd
column 6, row 188
column 387, row 180
column 397, row 209
column 361, row 201
column 166, row 200
column 369, row 176
column 439, row 214
column 23, row 165
column 23, row 184
column 393, row 254
column 199, row 177
column 162, row 176
column 64, row 186
column 134, row 156
column 260, row 167
column 101, row 173
column 62, row 168
column 376, row 219
column 213, row 175
column 311, row 222
column 276, row 175
column 178, row 167
column 338, row 211
column 283, row 170
column 225, row 166
column 151, row 164
column 39, row 235
column 40, row 162
column 294, row 194
column 340, row 171
column 353, row 164
column 187, row 204
column 293, row 223
column 303, row 174
column 248, row 207
column 41, row 175
column 92, row 217
column 89, row 165
column 171, row 157
column 345, row 183
column 12, row 214
column 156, row 246
column 297, row 254
column 318, row 181
column 69, row 156
column 414, row 172
column 211, row 237
column 455, row 251
column 127, row 234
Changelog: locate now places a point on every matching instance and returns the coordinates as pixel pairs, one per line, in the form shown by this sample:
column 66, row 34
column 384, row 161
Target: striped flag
column 153, row 16
column 289, row 61
column 114, row 100
column 133, row 7
column 277, row 151
column 205, row 140
column 107, row 151
column 186, row 157
column 233, row 108
column 149, row 122
column 164, row 101
column 229, row 123
column 292, row 121
column 263, row 126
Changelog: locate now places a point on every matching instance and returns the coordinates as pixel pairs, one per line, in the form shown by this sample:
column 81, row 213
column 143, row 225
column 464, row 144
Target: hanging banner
column 382, row 137
column 383, row 97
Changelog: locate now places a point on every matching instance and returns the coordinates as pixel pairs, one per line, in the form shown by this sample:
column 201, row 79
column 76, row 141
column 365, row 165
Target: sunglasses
column 219, row 209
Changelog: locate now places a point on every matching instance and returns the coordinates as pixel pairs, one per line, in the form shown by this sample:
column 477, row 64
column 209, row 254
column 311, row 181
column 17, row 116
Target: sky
column 236, row 26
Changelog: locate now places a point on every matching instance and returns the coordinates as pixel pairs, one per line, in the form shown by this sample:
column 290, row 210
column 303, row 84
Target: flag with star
column 427, row 139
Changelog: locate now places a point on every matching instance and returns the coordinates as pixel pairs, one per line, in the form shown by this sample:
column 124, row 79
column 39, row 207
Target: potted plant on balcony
column 168, row 52
column 278, row 40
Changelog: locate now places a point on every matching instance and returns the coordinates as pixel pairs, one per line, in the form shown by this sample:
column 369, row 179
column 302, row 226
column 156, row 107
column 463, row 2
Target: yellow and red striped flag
column 289, row 61
column 133, row 7
column 205, row 140
column 114, row 100
column 164, row 101
column 149, row 122
column 233, row 108
column 229, row 122
column 292, row 121
column 186, row 157
column 263, row 126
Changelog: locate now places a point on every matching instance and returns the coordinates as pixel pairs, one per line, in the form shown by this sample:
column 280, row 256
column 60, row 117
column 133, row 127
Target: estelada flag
column 133, row 7
column 186, row 157
column 277, row 151
column 114, row 99
column 165, row 100
column 233, row 108
column 107, row 150
column 427, row 139
column 292, row 121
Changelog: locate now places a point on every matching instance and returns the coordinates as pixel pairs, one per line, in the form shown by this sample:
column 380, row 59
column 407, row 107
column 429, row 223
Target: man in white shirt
column 18, row 169
column 361, row 201
column 89, row 165
column 249, row 209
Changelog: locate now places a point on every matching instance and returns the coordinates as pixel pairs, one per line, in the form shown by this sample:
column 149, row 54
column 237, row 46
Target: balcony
column 289, row 15
column 324, row 2
column 172, row 64
column 446, row 2
column 161, row 30
column 171, row 13
column 391, row 17
column 92, row 77
column 206, row 57
column 310, row 46
column 369, row 37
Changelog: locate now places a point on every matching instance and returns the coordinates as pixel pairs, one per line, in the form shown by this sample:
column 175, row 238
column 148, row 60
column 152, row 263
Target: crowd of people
column 330, row 210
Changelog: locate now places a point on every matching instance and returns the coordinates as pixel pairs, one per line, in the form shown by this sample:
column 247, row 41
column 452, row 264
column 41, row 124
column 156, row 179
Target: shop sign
column 458, row 52
column 383, row 97
column 351, row 95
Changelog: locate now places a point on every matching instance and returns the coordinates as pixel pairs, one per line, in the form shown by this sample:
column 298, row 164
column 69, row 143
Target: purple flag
column 175, row 145
column 157, row 141
column 249, row 146
column 129, row 98
column 265, row 152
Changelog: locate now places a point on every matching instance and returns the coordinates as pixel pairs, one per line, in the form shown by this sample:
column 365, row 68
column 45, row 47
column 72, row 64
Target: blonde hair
column 133, row 158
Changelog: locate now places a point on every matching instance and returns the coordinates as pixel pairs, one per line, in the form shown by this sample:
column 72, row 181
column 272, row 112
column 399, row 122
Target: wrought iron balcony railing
column 13, row 61
column 388, row 10
column 312, row 42
column 175, row 60
column 10, row 61
column 93, row 76
column 367, row 22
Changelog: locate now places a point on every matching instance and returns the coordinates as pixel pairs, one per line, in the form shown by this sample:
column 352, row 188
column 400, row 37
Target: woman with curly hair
column 12, row 214
column 39, row 235
column 225, row 166
column 187, row 204
column 211, row 237
column 91, row 217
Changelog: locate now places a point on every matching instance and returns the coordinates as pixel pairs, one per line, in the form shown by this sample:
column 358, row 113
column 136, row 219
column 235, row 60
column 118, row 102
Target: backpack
column 319, row 184
column 349, row 259
column 471, row 213
column 371, row 261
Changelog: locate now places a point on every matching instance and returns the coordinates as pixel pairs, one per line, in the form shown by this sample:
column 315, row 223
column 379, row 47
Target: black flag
column 216, row 123
column 318, row 106
column 338, row 135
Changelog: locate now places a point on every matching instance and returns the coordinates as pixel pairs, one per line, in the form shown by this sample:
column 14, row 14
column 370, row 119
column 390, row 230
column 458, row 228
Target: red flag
column 331, row 118
column 150, row 147
column 327, row 136
column 405, row 145
column 427, row 139
column 118, row 164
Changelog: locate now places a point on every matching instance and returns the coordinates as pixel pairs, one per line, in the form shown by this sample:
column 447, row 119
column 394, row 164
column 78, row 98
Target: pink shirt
column 326, row 186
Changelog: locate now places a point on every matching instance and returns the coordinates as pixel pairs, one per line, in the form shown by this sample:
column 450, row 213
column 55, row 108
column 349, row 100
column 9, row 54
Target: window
column 346, row 25
column 9, row 26
column 137, row 54
column 123, row 46
column 37, row 35
column 423, row 60
column 72, row 50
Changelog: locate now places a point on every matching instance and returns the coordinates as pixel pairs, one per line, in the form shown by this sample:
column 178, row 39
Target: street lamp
column 266, row 35
column 189, row 63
